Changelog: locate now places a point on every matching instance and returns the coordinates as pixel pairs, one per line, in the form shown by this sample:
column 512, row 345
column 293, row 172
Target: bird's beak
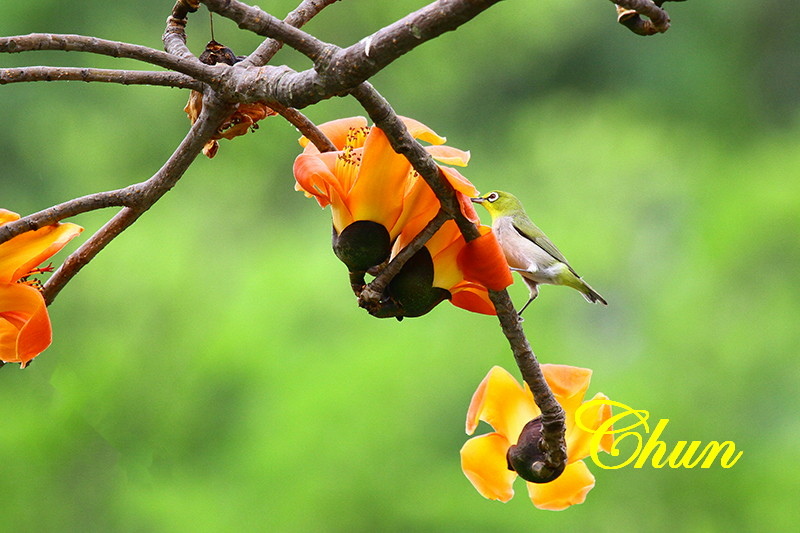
column 478, row 200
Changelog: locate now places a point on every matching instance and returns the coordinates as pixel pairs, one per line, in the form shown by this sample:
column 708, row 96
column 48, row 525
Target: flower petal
column 579, row 440
column 483, row 460
column 503, row 403
column 336, row 131
column 570, row 488
column 378, row 191
column 459, row 182
column 25, row 252
column 472, row 297
column 24, row 324
column 7, row 216
column 418, row 130
column 315, row 178
column 483, row 261
column 569, row 385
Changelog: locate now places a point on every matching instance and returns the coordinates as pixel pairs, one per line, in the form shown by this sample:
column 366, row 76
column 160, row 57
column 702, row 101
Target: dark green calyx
column 412, row 288
column 527, row 459
column 362, row 245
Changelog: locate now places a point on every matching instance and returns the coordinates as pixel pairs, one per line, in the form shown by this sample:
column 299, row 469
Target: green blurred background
column 211, row 370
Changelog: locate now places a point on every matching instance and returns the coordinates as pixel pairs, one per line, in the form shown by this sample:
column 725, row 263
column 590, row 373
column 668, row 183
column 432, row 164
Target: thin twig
column 124, row 77
column 305, row 126
column 307, row 10
column 212, row 115
column 370, row 296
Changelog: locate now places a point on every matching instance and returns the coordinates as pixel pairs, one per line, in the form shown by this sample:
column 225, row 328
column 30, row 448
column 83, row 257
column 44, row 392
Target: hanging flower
column 380, row 203
column 24, row 324
column 242, row 120
column 508, row 408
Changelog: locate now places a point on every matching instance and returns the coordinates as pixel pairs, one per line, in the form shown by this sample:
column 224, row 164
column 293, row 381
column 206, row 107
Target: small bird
column 528, row 250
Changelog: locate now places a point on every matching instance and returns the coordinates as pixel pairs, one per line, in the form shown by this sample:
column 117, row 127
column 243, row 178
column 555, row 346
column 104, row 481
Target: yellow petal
column 579, row 440
column 503, row 403
column 570, row 488
column 483, row 460
column 24, row 324
column 449, row 155
column 7, row 216
column 378, row 191
column 25, row 252
column 336, row 131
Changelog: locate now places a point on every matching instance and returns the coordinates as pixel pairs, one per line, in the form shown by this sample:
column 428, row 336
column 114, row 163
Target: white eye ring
column 492, row 197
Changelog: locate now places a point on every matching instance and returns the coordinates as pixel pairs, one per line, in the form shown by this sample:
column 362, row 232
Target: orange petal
column 24, row 324
column 570, row 488
column 449, row 155
column 336, row 131
column 579, row 440
column 569, row 385
column 25, row 252
column 503, row 403
column 472, row 297
column 418, row 130
column 483, row 460
column 378, row 191
column 483, row 261
column 459, row 182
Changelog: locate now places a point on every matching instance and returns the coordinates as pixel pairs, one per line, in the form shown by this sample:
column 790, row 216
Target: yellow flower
column 379, row 204
column 508, row 407
column 24, row 324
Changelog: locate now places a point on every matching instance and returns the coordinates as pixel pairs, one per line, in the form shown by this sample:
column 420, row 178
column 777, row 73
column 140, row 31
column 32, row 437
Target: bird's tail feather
column 592, row 295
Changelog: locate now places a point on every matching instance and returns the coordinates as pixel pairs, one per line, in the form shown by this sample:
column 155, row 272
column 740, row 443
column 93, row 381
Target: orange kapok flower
column 507, row 406
column 24, row 324
column 379, row 203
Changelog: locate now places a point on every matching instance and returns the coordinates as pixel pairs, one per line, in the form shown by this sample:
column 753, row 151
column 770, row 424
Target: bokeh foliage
column 211, row 370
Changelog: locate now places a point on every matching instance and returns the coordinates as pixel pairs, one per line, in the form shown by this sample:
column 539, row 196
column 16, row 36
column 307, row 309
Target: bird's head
column 500, row 203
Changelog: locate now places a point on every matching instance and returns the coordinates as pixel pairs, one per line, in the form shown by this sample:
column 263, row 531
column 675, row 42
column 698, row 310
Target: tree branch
column 307, row 10
column 147, row 193
column 79, row 43
column 124, row 77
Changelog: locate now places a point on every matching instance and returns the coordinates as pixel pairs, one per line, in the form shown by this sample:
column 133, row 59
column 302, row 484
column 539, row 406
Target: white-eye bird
column 528, row 250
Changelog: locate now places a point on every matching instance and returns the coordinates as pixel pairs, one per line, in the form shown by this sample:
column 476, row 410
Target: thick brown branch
column 337, row 70
column 80, row 43
column 124, row 77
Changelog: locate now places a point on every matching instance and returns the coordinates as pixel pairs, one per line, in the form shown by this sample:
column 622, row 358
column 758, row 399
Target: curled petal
column 7, row 216
column 336, row 131
column 483, row 460
column 569, row 385
column 24, row 324
column 449, row 155
column 25, row 252
column 472, row 297
column 579, row 440
column 315, row 178
column 570, row 488
column 503, row 403
column 483, row 261
column 418, row 130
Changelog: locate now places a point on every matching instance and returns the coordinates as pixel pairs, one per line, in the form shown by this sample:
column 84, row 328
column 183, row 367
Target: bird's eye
column 492, row 197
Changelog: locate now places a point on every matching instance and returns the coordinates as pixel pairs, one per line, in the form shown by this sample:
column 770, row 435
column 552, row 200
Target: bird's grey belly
column 524, row 255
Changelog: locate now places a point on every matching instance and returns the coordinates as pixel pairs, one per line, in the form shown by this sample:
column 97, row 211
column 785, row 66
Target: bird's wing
column 531, row 232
